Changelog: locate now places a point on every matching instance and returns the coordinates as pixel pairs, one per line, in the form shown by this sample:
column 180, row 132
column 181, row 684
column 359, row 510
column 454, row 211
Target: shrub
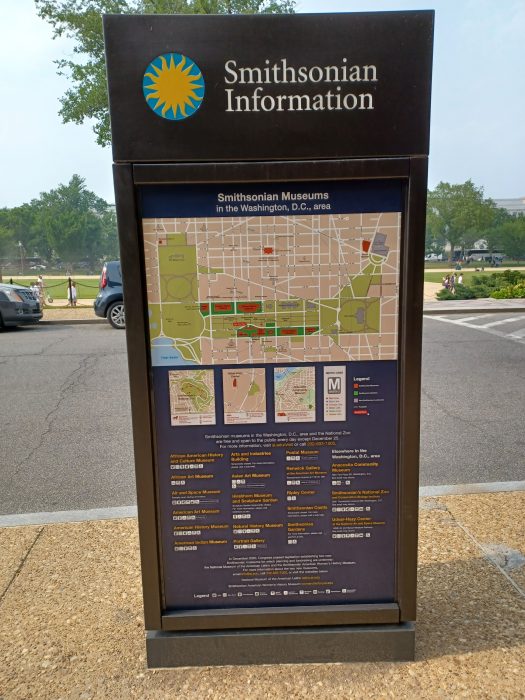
column 484, row 287
column 462, row 292
column 445, row 295
column 516, row 291
column 499, row 285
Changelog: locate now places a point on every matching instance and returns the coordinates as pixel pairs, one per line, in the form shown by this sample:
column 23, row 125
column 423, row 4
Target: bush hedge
column 500, row 285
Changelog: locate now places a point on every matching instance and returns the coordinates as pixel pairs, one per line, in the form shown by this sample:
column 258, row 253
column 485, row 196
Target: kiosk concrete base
column 283, row 646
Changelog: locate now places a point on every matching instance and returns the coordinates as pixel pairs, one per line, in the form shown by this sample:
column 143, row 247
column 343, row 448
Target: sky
column 478, row 100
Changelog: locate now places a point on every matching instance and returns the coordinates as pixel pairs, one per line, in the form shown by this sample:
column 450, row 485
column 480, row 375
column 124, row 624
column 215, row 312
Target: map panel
column 192, row 397
column 244, row 395
column 294, row 392
column 273, row 289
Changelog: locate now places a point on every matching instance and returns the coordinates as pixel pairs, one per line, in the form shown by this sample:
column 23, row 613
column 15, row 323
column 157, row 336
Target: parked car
column 18, row 306
column 434, row 257
column 110, row 299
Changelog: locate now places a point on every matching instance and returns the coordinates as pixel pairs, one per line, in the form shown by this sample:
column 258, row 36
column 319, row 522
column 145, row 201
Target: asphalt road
column 65, row 439
column 473, row 399
column 65, row 442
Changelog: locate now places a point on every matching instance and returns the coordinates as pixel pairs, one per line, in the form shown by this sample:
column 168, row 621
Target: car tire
column 116, row 315
column 1, row 323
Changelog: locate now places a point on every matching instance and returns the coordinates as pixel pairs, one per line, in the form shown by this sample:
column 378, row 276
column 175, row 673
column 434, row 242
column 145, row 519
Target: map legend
column 334, row 380
column 367, row 394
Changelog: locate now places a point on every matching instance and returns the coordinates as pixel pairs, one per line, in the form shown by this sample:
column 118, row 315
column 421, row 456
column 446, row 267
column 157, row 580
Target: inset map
column 244, row 396
column 294, row 393
column 273, row 289
column 192, row 397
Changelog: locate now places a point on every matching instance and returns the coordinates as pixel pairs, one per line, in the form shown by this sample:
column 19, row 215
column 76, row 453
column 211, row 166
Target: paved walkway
column 71, row 621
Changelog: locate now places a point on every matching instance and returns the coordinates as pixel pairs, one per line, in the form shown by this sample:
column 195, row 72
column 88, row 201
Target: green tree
column 20, row 222
column 109, row 244
column 76, row 222
column 6, row 235
column 459, row 213
column 22, row 233
column 7, row 245
column 81, row 21
column 493, row 234
column 510, row 237
column 434, row 239
column 6, row 242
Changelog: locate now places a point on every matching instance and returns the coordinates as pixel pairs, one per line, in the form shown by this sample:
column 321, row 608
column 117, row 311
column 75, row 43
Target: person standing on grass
column 72, row 294
column 41, row 290
column 460, row 278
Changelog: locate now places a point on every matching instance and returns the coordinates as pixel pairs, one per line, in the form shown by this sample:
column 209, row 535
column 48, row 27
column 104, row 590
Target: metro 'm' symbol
column 334, row 385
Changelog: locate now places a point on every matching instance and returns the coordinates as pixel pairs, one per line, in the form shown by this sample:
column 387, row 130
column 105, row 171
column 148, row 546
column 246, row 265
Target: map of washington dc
column 273, row 289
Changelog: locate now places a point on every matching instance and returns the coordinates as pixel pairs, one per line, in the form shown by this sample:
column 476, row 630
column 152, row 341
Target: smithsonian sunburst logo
column 173, row 86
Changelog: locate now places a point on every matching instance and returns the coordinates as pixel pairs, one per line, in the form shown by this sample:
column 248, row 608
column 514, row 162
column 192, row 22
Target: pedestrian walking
column 453, row 283
column 460, row 278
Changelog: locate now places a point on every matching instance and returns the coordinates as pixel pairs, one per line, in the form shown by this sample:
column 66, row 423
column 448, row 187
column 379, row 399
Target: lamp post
column 21, row 248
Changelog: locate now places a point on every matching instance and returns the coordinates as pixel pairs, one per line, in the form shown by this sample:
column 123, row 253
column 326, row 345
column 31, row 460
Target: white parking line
column 502, row 321
column 517, row 336
column 461, row 321
column 466, row 320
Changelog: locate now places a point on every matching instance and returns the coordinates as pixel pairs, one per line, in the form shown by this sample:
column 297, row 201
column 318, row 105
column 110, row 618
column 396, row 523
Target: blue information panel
column 274, row 341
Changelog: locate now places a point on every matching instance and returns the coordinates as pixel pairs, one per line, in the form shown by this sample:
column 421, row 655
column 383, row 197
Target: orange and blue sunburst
column 173, row 86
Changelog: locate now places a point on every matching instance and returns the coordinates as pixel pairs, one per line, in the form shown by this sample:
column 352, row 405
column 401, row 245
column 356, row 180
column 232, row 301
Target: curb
column 74, row 321
column 436, row 311
column 118, row 512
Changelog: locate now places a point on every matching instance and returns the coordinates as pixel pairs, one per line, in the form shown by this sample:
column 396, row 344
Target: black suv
column 110, row 300
column 18, row 306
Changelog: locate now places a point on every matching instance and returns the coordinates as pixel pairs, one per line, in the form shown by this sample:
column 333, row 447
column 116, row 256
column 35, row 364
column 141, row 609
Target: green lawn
column 467, row 275
column 87, row 288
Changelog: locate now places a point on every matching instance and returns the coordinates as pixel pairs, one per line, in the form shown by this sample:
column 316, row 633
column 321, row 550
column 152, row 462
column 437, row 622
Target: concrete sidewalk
column 467, row 306
column 71, row 617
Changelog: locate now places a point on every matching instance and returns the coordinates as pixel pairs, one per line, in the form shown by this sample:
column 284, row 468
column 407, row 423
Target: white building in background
column 513, row 206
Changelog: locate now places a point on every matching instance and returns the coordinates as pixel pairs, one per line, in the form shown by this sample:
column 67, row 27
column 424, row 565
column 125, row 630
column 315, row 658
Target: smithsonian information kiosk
column 270, row 178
